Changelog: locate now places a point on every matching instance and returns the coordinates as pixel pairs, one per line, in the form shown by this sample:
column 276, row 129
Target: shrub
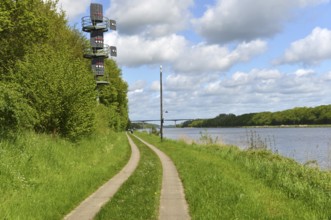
column 61, row 89
column 15, row 113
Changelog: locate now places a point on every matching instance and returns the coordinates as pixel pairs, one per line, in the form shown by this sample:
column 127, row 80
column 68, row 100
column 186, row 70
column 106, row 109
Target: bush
column 15, row 113
column 61, row 89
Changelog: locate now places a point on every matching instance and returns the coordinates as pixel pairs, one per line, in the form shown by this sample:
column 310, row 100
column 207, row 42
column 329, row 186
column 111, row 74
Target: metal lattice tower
column 96, row 24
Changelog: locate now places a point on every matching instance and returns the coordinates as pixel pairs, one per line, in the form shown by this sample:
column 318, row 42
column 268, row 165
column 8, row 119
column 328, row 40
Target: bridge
column 151, row 120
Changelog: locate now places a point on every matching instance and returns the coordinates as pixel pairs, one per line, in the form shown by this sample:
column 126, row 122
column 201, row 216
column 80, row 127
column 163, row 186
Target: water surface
column 301, row 144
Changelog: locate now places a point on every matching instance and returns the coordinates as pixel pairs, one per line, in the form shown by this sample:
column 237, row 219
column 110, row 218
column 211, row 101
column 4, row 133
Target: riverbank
column 302, row 144
column 268, row 126
column 44, row 177
column 229, row 183
column 290, row 126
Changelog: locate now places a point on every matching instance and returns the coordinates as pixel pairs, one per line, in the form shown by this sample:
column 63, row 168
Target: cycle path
column 172, row 202
column 92, row 205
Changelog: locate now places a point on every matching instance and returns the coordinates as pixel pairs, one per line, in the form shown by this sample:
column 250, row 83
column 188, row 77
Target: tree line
column 45, row 83
column 319, row 115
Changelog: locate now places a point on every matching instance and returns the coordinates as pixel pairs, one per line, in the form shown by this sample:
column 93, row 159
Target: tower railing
column 90, row 52
column 89, row 25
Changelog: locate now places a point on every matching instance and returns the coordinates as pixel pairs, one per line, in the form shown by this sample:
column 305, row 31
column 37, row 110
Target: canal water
column 301, row 144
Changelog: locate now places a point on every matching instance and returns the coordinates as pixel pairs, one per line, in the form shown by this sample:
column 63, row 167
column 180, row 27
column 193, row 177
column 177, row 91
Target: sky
column 218, row 56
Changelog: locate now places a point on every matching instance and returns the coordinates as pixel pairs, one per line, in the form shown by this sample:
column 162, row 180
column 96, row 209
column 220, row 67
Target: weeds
column 228, row 183
column 255, row 141
column 186, row 139
column 329, row 156
column 155, row 131
column 206, row 139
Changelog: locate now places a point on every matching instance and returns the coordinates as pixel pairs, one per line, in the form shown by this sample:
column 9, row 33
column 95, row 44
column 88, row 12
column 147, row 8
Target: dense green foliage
column 297, row 116
column 65, row 101
column 15, row 113
column 46, row 84
column 22, row 25
column 228, row 183
column 44, row 177
column 114, row 97
column 139, row 196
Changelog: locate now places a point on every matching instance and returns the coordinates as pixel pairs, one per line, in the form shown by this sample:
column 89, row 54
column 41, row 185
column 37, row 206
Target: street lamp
column 161, row 106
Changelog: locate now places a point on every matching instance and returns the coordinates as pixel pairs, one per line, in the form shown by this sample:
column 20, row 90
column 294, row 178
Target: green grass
column 138, row 197
column 227, row 183
column 44, row 177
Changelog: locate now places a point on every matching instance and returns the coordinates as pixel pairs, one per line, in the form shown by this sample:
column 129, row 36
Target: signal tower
column 96, row 24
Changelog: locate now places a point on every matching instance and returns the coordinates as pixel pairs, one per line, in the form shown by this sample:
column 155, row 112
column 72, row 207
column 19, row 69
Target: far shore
column 267, row 126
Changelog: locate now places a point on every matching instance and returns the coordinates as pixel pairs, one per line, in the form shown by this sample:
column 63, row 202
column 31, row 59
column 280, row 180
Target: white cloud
column 176, row 50
column 205, row 58
column 242, row 92
column 155, row 86
column 311, row 49
column 269, row 83
column 238, row 20
column 145, row 104
column 136, row 50
column 304, row 3
column 150, row 17
column 137, row 86
column 265, row 89
column 178, row 82
column 266, row 74
column 74, row 8
column 304, row 72
column 327, row 76
column 240, row 78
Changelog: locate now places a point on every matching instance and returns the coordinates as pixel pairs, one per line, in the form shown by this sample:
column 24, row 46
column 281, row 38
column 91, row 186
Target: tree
column 15, row 113
column 324, row 114
column 43, row 57
column 22, row 24
column 114, row 96
column 61, row 90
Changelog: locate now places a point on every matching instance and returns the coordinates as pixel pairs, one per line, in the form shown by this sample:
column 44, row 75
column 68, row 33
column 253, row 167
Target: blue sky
column 219, row 56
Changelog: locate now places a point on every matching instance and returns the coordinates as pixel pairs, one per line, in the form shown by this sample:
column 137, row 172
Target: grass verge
column 139, row 196
column 227, row 183
column 43, row 177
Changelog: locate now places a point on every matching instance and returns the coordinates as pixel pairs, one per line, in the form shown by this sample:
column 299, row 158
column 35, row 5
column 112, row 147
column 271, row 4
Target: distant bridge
column 174, row 120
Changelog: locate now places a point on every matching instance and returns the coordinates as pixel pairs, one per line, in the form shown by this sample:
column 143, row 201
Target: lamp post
column 161, row 106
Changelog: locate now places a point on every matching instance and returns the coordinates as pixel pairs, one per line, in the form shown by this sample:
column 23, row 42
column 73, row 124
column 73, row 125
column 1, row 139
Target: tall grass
column 309, row 185
column 43, row 177
column 228, row 183
column 138, row 197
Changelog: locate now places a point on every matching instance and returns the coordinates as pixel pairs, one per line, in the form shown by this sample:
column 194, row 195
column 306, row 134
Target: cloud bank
column 245, row 20
column 151, row 18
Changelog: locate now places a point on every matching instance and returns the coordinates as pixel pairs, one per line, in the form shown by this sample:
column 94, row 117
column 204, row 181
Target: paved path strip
column 92, row 205
column 173, row 205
